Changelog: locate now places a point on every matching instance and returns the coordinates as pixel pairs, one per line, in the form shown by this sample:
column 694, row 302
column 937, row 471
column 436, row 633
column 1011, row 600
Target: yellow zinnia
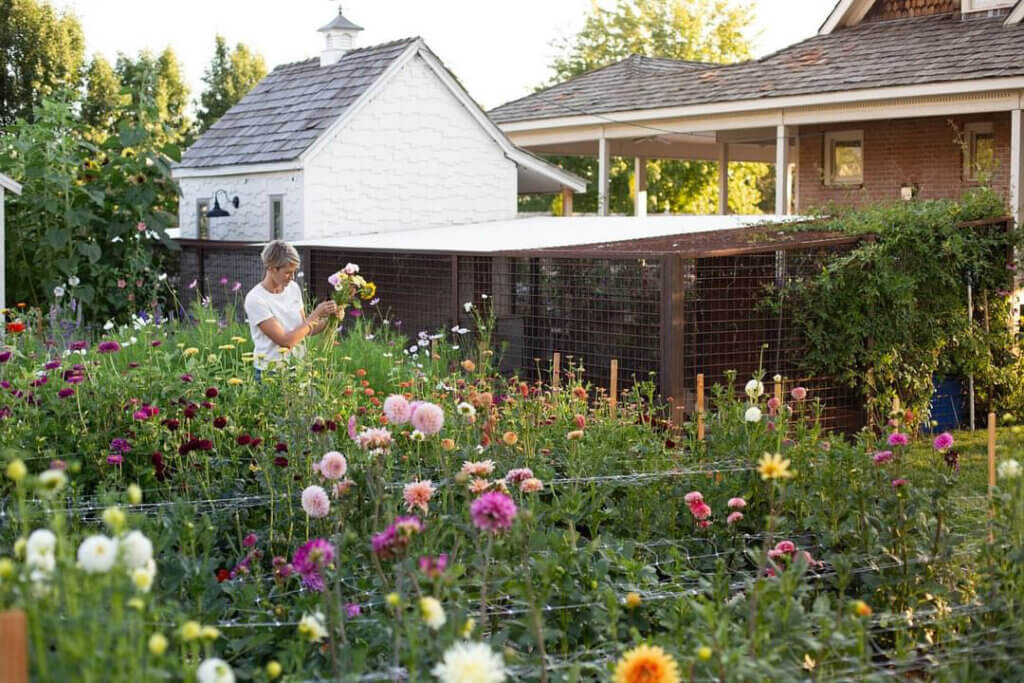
column 234, row 381
column 239, row 340
column 646, row 664
column 226, row 347
column 190, row 351
column 773, row 466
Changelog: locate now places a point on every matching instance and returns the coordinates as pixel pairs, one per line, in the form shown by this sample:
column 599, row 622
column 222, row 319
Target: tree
column 699, row 30
column 229, row 76
column 158, row 80
column 41, row 51
column 104, row 100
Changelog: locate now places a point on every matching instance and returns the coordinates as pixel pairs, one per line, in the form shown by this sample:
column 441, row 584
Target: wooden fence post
column 556, row 370
column 991, row 453
column 700, row 406
column 778, row 393
column 13, row 647
column 613, row 388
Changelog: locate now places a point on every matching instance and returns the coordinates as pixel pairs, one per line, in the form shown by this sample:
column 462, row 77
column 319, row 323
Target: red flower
column 212, row 392
column 223, row 575
column 220, row 422
column 16, row 326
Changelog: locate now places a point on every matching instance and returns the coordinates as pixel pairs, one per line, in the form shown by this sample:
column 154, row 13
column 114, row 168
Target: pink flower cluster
column 493, row 511
column 417, row 494
column 310, row 560
column 787, row 551
column 698, row 508
column 332, row 465
column 390, row 543
column 374, row 440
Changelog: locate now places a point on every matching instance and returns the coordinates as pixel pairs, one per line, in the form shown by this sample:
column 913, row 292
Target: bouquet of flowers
column 351, row 289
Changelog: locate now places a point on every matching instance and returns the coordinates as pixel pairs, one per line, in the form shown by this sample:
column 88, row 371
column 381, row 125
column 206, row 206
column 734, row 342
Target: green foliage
column 697, row 30
column 156, row 84
column 41, row 52
column 103, row 98
column 890, row 313
column 82, row 203
column 229, row 76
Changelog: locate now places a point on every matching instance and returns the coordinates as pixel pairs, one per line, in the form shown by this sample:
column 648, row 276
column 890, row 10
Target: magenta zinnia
column 493, row 512
column 943, row 441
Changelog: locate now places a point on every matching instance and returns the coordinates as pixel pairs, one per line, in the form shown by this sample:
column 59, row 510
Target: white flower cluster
column 1009, row 469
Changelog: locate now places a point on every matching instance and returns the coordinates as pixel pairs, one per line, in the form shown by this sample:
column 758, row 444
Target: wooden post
column 13, row 647
column 896, row 406
column 700, row 406
column 613, row 388
column 991, row 452
column 434, row 355
column 556, row 370
column 778, row 393
column 566, row 201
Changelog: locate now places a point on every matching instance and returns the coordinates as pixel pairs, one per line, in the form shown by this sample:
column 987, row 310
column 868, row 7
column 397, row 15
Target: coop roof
column 607, row 235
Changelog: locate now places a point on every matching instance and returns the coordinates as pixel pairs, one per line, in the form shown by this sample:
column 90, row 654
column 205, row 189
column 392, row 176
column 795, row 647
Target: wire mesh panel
column 213, row 271
column 415, row 290
column 736, row 321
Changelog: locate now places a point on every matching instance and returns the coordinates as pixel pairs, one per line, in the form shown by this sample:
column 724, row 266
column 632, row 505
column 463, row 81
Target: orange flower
column 448, row 444
column 580, row 393
column 16, row 326
column 646, row 664
column 510, row 438
column 468, row 365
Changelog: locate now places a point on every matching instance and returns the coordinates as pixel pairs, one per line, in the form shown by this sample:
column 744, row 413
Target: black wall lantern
column 216, row 211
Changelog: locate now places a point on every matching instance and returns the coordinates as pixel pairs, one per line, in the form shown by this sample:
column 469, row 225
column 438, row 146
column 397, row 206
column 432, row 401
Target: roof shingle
column 289, row 109
column 913, row 51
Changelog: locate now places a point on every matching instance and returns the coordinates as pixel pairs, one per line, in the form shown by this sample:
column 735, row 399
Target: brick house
column 891, row 99
column 360, row 140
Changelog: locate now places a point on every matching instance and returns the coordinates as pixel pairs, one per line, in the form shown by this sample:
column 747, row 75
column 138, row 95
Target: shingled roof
column 289, row 109
column 933, row 49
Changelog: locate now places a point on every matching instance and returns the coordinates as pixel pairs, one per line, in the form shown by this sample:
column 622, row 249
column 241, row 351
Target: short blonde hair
column 278, row 254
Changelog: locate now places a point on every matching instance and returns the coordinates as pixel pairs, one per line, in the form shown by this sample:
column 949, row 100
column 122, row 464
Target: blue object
column 947, row 406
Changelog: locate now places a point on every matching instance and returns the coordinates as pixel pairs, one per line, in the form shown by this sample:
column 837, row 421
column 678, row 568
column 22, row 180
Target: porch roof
column 904, row 52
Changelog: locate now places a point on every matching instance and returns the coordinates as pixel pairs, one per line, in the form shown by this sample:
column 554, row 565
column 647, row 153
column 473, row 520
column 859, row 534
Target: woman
column 277, row 317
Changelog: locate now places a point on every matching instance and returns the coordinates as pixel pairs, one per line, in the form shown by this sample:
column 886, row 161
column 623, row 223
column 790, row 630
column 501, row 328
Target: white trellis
column 6, row 183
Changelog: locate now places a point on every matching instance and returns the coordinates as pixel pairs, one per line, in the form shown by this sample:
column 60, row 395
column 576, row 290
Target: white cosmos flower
column 470, row 663
column 136, row 550
column 753, row 414
column 468, row 306
column 465, row 410
column 52, row 481
column 73, row 281
column 109, row 325
column 97, row 554
column 215, row 670
column 58, row 291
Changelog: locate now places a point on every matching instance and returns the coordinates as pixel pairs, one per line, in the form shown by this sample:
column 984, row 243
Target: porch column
column 566, row 201
column 1017, row 165
column 640, row 191
column 723, row 178
column 602, row 176
column 781, row 170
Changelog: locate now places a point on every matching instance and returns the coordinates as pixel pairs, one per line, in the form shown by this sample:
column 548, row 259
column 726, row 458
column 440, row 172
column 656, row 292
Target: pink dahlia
column 374, row 440
column 693, row 497
column 943, row 441
column 428, row 418
column 734, row 517
column 531, row 485
column 333, row 465
column 700, row 510
column 310, row 560
column 897, row 483
column 798, row 393
column 493, row 511
column 519, row 474
column 898, row 439
column 417, row 495
column 787, row 547
column 882, row 457
column 480, row 468
column 397, row 409
column 736, row 503
column 433, row 567
column 315, row 502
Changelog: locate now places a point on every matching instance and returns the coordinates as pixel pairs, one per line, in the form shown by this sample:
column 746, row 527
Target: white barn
column 368, row 140
column 9, row 185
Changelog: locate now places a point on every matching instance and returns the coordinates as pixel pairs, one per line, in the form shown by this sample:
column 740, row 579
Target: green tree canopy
column 699, row 30
column 41, row 51
column 228, row 77
column 158, row 80
column 103, row 97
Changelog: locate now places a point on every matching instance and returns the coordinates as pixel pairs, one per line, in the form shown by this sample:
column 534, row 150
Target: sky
column 500, row 50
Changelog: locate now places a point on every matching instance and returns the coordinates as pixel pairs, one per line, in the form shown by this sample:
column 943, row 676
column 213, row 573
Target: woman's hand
column 324, row 309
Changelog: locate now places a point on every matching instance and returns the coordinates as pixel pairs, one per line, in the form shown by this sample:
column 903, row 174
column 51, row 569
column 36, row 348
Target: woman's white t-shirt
column 260, row 306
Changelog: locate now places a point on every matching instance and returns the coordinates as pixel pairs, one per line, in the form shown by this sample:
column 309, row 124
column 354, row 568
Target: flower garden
column 387, row 508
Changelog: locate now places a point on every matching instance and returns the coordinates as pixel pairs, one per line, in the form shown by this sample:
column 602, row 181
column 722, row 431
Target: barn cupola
column 340, row 37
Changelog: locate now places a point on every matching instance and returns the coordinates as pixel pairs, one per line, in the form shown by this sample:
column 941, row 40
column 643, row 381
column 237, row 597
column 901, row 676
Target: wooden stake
column 13, row 647
column 778, row 392
column 613, row 392
column 556, row 370
column 700, row 406
column 991, row 452
column 896, row 406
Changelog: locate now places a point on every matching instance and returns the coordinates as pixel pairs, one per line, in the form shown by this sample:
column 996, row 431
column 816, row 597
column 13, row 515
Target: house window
column 202, row 221
column 276, row 217
column 980, row 5
column 979, row 151
column 844, row 157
